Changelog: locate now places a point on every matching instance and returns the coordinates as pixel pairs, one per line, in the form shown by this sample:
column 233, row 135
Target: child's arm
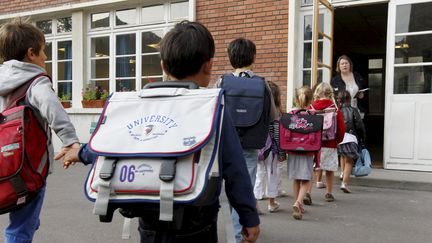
column 359, row 126
column 340, row 132
column 42, row 97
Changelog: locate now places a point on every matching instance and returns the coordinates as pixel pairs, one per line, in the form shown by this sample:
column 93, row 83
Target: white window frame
column 54, row 38
column 113, row 30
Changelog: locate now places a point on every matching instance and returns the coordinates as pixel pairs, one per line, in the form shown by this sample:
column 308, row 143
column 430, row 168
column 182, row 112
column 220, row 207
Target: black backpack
column 249, row 103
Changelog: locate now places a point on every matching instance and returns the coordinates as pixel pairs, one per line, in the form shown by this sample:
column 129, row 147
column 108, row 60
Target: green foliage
column 65, row 97
column 95, row 93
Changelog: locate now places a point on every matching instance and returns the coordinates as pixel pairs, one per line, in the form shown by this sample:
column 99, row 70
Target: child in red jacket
column 324, row 98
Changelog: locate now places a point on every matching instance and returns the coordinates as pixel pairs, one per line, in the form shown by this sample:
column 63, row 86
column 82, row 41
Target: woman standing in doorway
column 348, row 80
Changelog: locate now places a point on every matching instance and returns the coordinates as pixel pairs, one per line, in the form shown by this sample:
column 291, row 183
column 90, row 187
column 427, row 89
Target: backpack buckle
column 107, row 169
column 168, row 170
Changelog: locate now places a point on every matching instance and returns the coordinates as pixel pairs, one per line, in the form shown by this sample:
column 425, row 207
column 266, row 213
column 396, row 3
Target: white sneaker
column 320, row 185
column 341, row 176
column 345, row 188
column 282, row 193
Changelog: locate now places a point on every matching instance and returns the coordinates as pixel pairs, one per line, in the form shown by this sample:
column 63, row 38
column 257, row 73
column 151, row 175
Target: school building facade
column 113, row 44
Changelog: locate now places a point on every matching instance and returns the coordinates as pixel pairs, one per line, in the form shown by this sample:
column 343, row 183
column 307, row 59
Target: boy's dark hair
column 344, row 97
column 185, row 48
column 241, row 52
column 16, row 37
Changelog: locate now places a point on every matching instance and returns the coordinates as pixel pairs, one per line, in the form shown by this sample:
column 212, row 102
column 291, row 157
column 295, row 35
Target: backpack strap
column 104, row 189
column 19, row 93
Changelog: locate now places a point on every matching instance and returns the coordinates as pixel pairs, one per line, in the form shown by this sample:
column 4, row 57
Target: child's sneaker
column 320, row 185
column 345, row 188
column 273, row 208
column 282, row 193
column 307, row 200
column 297, row 212
column 341, row 176
column 329, row 197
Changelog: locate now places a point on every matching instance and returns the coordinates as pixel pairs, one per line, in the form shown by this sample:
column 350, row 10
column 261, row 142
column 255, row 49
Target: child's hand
column 69, row 155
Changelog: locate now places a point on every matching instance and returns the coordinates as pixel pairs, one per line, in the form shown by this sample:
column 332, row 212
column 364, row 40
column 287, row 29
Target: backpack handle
column 172, row 84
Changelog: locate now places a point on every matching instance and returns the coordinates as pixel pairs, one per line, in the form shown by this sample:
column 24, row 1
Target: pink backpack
column 300, row 131
column 329, row 122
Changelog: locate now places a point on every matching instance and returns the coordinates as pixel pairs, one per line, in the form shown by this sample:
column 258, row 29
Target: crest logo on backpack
column 150, row 127
column 302, row 123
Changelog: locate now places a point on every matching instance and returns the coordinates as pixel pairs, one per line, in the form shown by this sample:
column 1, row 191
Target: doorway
column 361, row 33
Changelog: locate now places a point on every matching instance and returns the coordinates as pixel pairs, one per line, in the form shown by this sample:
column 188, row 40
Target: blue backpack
column 362, row 167
column 248, row 102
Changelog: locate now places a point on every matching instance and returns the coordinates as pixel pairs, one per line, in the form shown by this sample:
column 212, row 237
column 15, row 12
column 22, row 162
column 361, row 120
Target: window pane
column 125, row 85
column 413, row 49
column 125, row 17
column 45, row 26
column 307, row 55
column 125, row 44
column 152, row 14
column 412, row 80
column 307, row 78
column 125, row 67
column 376, row 93
column 100, row 68
column 100, row 47
column 64, row 25
column 308, row 24
column 99, row 20
column 151, row 65
column 150, row 41
column 48, row 51
column 375, row 63
column 64, row 50
column 65, row 90
column 48, row 68
column 102, row 84
column 179, row 10
column 414, row 17
column 64, row 70
column 307, row 2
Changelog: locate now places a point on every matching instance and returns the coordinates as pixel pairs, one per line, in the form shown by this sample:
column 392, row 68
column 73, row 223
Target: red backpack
column 24, row 159
column 301, row 131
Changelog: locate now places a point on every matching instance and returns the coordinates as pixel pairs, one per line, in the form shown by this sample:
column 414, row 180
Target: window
column 58, row 49
column 100, row 61
column 124, row 44
column 125, row 17
column 413, row 49
column 307, row 49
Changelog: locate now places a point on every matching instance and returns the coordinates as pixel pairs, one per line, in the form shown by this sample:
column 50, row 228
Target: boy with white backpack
column 187, row 55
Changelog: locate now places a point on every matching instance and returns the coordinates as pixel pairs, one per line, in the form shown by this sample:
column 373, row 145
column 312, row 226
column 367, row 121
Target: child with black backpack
column 191, row 43
column 251, row 121
column 348, row 149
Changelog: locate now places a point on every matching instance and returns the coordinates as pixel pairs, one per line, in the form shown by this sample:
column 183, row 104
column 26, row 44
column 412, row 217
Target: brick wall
column 265, row 22
column 15, row 6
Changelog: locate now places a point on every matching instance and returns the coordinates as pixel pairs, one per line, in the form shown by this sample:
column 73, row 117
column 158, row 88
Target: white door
column 408, row 111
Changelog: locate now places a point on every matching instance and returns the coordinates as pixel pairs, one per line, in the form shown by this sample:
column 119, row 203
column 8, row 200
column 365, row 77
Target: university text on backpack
column 249, row 104
column 162, row 154
column 24, row 159
column 301, row 131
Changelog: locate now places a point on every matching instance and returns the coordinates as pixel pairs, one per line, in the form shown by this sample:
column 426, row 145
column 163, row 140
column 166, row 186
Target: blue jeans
column 24, row 222
column 251, row 158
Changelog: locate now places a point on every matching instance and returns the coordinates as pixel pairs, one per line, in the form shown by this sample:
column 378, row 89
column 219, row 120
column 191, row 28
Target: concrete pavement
column 394, row 179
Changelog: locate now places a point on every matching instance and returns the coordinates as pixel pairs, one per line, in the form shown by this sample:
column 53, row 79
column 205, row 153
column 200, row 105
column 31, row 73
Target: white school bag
column 156, row 147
